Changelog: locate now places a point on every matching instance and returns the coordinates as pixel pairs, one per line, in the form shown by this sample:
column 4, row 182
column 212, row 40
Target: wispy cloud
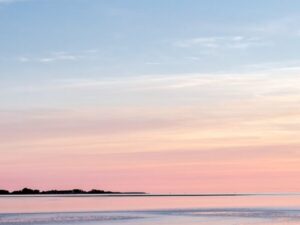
column 238, row 42
column 57, row 56
column 223, row 110
column 263, row 82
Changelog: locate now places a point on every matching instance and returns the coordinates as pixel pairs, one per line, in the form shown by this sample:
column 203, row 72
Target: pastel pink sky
column 189, row 133
column 156, row 96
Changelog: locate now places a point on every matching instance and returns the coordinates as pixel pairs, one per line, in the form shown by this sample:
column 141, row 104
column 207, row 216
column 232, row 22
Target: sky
column 190, row 96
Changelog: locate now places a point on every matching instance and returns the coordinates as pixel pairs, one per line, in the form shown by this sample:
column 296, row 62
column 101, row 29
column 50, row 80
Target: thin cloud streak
column 262, row 82
column 231, row 42
column 57, row 57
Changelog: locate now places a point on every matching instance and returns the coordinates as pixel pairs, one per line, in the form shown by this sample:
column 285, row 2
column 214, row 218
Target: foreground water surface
column 234, row 210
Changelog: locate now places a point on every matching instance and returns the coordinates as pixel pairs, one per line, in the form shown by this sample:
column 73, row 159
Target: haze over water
column 263, row 210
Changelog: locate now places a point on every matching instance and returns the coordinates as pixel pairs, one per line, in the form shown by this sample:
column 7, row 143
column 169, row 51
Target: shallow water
column 238, row 210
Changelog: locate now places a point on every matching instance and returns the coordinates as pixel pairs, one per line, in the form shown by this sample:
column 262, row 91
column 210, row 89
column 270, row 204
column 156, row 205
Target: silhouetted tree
column 26, row 191
column 77, row 191
column 4, row 192
column 95, row 191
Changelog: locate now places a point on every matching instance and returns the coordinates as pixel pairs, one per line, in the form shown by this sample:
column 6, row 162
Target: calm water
column 242, row 210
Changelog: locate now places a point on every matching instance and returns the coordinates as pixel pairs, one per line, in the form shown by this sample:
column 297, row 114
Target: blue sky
column 49, row 39
column 113, row 38
column 48, row 43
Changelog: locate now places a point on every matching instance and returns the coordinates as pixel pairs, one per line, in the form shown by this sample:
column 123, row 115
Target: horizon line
column 155, row 195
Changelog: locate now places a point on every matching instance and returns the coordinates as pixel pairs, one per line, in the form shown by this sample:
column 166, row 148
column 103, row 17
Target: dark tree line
column 28, row 191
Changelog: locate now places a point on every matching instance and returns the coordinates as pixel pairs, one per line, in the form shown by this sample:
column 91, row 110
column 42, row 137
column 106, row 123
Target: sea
column 271, row 209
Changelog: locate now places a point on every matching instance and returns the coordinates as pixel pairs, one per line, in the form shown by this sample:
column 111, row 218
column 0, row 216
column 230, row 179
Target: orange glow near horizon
column 244, row 142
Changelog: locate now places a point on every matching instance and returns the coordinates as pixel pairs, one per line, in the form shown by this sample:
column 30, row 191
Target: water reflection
column 239, row 210
column 71, row 204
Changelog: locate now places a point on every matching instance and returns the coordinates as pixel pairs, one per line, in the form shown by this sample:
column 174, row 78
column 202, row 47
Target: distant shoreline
column 123, row 195
column 26, row 192
column 36, row 192
column 120, row 195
